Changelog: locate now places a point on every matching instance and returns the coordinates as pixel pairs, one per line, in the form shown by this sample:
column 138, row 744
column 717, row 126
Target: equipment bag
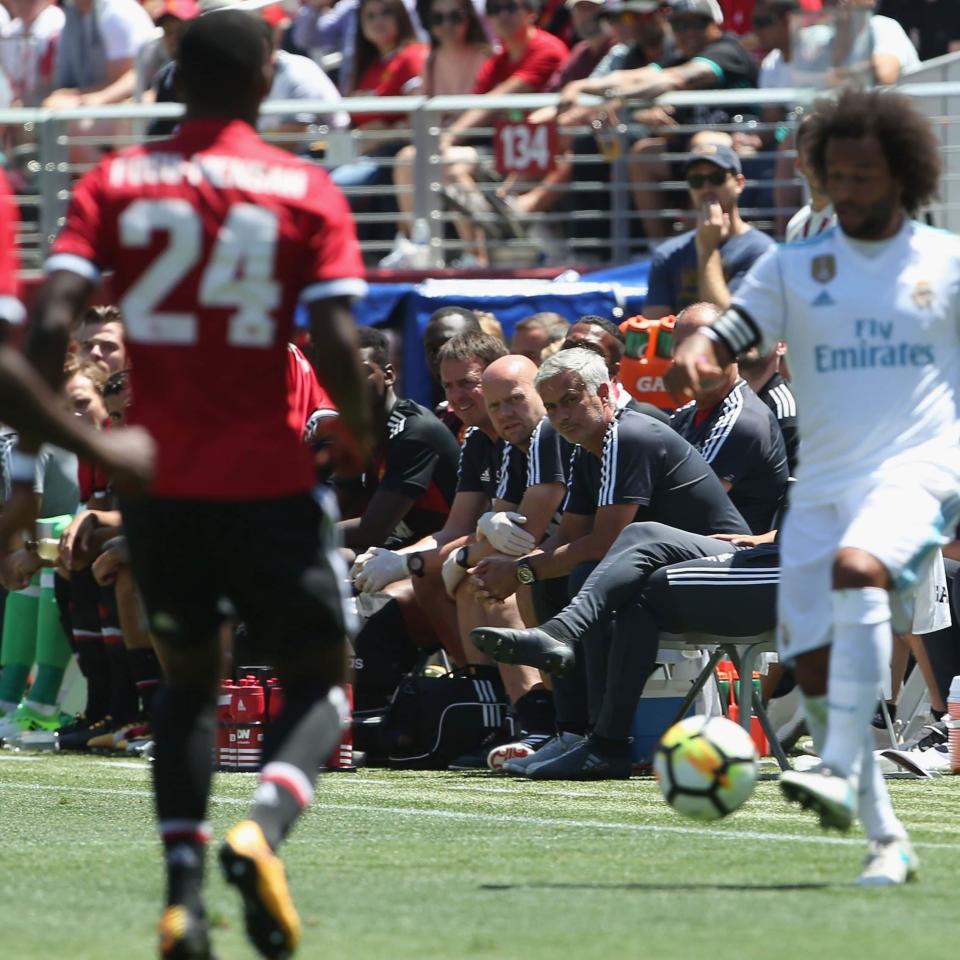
column 432, row 720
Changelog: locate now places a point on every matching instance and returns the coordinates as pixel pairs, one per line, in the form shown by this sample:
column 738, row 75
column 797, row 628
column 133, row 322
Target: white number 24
column 238, row 273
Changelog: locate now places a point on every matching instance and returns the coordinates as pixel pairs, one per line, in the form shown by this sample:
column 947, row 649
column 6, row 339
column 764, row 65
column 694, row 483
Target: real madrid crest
column 823, row 268
column 923, row 295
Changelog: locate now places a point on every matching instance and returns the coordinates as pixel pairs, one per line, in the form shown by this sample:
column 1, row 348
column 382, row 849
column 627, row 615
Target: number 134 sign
column 525, row 148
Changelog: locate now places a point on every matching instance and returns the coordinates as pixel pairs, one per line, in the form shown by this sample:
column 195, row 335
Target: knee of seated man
column 855, row 569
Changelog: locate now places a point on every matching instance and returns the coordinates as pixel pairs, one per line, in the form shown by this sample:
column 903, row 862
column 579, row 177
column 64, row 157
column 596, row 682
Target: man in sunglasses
column 708, row 262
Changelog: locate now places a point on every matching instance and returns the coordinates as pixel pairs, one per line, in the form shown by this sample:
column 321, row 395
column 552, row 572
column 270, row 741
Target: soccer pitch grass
column 430, row 865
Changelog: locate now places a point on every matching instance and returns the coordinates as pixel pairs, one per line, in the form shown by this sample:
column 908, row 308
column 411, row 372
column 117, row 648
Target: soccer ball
column 706, row 767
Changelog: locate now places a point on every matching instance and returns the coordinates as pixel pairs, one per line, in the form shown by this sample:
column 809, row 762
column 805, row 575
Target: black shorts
column 273, row 560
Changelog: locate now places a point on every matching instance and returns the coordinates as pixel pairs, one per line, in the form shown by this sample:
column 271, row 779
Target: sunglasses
column 438, row 19
column 680, row 24
column 717, row 177
column 495, row 9
column 762, row 20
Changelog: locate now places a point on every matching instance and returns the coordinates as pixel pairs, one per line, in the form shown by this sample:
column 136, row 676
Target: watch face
column 525, row 573
column 415, row 564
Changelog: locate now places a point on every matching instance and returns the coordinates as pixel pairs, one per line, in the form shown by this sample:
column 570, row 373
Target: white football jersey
column 874, row 344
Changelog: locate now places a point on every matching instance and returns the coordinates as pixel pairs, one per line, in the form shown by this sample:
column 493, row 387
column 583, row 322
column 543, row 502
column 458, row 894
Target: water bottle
column 953, row 711
column 420, row 258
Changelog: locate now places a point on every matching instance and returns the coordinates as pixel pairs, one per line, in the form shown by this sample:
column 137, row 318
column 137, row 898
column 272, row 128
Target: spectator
column 735, row 433
column 388, row 62
column 709, row 59
column 94, row 67
column 294, row 78
column 96, row 53
column 706, row 263
column 527, row 59
column 932, row 25
column 407, row 488
column 171, row 16
column 458, row 49
column 326, row 26
column 641, row 36
column 891, row 51
column 28, row 48
column 595, row 43
column 536, row 333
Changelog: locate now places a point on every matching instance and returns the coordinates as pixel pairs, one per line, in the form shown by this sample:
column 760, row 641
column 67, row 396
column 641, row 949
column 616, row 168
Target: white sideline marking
column 496, row 818
column 17, row 756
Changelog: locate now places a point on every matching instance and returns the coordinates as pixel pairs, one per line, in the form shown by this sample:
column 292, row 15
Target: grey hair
column 587, row 365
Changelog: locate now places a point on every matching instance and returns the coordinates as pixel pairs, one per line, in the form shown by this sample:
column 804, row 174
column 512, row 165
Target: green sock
column 53, row 651
column 19, row 640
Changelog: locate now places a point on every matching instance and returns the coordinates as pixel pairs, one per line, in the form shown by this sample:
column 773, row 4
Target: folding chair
column 743, row 653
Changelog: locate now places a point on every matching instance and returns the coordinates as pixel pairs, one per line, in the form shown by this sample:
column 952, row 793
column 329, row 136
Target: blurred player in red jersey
column 214, row 236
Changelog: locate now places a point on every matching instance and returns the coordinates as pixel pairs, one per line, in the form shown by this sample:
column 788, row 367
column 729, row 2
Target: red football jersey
column 306, row 396
column 11, row 309
column 213, row 236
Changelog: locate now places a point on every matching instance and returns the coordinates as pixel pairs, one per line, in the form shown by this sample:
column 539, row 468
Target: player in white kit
column 871, row 311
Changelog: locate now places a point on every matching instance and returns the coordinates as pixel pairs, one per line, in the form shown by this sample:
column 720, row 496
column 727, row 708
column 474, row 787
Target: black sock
column 183, row 724
column 184, row 857
column 296, row 744
column 144, row 667
column 92, row 661
column 123, row 693
column 937, row 715
column 534, row 711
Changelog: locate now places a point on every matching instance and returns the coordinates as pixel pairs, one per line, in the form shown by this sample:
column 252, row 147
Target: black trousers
column 731, row 594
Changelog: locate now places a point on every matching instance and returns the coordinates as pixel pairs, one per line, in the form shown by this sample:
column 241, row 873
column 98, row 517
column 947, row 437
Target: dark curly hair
column 905, row 135
column 369, row 338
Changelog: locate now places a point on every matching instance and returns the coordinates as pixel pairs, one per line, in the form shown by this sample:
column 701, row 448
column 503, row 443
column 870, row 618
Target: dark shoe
column 79, row 736
column 184, row 935
column 582, row 762
column 534, row 647
column 249, row 864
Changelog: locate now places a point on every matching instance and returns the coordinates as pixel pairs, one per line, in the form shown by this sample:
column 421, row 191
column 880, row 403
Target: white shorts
column 901, row 516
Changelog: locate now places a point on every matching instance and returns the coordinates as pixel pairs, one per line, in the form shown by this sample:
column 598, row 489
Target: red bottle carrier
column 244, row 710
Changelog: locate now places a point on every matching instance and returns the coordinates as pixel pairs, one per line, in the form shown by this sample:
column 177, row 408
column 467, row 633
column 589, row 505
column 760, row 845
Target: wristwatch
column 525, row 572
column 462, row 557
column 415, row 564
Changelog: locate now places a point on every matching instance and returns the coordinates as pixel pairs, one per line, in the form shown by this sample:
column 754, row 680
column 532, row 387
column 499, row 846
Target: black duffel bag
column 433, row 720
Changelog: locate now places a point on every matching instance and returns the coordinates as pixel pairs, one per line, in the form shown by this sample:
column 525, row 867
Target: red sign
column 524, row 148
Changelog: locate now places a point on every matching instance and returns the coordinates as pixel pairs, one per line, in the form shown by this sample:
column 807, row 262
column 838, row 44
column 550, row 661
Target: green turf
column 415, row 865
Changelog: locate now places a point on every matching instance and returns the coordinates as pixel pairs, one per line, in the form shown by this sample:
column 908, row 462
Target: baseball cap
column 720, row 156
column 632, row 6
column 248, row 6
column 570, row 4
column 181, row 9
column 708, row 9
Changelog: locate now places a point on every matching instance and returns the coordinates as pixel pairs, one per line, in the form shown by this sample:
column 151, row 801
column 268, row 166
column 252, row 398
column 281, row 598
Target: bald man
column 532, row 487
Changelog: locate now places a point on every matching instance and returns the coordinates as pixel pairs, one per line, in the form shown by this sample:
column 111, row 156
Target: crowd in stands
column 95, row 53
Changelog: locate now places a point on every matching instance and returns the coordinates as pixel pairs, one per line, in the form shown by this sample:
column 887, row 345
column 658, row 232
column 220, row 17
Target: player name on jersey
column 222, row 172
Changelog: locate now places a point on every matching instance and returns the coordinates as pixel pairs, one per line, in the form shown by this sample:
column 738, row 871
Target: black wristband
column 735, row 330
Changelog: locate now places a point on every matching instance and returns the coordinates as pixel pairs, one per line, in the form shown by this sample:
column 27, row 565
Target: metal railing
column 594, row 218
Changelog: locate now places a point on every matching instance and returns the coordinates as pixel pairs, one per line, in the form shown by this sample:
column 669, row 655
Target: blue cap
column 719, row 155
